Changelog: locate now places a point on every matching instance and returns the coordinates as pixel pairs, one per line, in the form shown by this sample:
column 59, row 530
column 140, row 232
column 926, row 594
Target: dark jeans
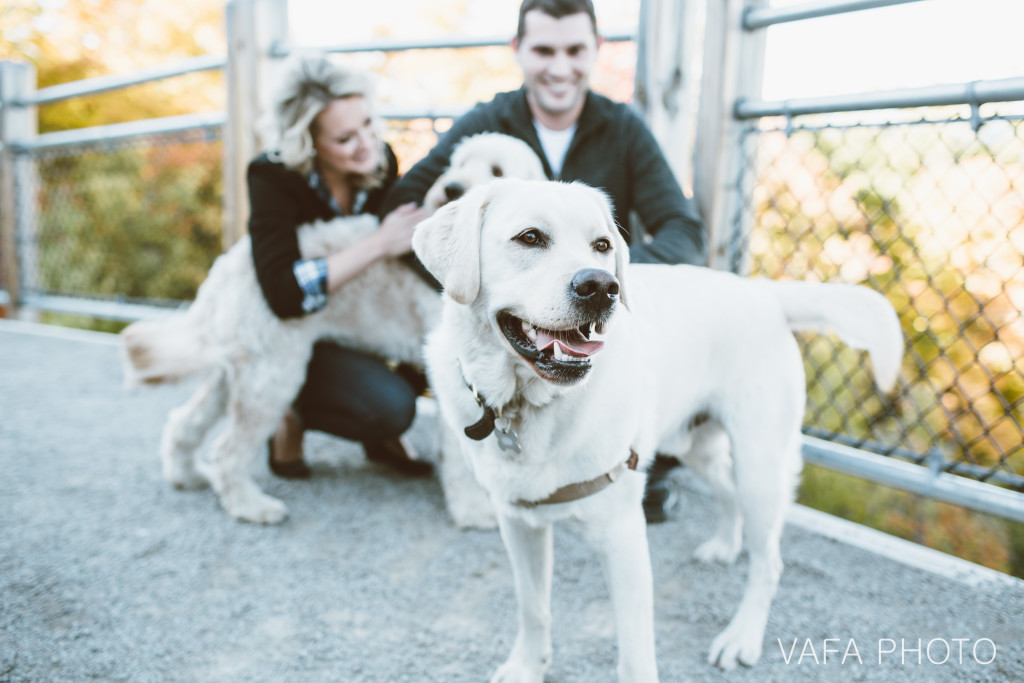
column 354, row 395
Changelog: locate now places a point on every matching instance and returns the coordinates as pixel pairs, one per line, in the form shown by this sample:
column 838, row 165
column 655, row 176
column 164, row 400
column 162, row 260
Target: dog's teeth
column 529, row 331
column 593, row 329
column 557, row 349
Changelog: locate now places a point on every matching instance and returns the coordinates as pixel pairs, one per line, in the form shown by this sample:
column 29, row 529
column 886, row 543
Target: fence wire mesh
column 929, row 212
column 135, row 220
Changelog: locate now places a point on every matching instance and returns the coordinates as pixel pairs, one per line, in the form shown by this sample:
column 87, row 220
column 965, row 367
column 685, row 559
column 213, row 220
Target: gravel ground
column 107, row 573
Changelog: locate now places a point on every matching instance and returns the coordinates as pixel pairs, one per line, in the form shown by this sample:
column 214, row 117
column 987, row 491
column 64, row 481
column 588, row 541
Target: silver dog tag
column 508, row 440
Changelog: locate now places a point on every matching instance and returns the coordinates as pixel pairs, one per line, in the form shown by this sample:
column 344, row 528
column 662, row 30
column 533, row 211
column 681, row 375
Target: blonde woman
column 324, row 158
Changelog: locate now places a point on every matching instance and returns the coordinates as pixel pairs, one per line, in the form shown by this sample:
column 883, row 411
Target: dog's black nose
column 453, row 191
column 596, row 288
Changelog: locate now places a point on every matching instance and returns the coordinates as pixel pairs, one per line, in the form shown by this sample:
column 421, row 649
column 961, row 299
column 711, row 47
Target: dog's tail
column 164, row 350
column 863, row 318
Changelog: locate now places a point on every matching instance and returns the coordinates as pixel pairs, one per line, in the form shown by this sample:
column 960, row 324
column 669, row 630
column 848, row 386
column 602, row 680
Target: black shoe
column 391, row 453
column 287, row 470
column 660, row 496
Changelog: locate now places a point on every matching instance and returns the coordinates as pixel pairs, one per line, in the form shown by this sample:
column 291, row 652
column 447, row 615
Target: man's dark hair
column 556, row 9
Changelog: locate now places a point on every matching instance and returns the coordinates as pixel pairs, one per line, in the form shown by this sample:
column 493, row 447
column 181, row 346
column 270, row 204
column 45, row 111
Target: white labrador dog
column 568, row 369
column 255, row 363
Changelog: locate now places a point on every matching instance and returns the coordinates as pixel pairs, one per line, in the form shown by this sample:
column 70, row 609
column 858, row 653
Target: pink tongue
column 577, row 346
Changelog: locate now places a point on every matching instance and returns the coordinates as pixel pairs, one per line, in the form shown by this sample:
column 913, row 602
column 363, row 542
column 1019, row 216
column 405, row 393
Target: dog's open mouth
column 560, row 356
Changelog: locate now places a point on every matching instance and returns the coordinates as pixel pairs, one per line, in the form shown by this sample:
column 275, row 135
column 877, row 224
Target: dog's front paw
column 255, row 506
column 182, row 476
column 739, row 643
column 517, row 671
column 717, row 549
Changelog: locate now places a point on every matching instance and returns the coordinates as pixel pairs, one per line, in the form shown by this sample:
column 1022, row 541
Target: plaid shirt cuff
column 312, row 278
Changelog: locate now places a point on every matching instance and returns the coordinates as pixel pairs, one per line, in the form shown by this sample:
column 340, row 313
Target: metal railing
column 442, row 43
column 102, row 84
column 975, row 94
column 763, row 17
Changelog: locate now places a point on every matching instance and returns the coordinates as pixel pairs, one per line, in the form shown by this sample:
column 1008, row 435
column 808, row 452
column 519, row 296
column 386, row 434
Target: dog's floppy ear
column 448, row 244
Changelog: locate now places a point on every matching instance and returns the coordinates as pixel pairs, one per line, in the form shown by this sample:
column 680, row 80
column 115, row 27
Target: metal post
column 17, row 208
column 253, row 28
column 666, row 36
column 733, row 69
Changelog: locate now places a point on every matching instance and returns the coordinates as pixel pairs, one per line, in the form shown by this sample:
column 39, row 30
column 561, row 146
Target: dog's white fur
column 478, row 160
column 255, row 363
column 681, row 341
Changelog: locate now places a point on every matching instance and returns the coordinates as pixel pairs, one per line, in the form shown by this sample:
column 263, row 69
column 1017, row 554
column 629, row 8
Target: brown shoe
column 285, row 449
column 392, row 453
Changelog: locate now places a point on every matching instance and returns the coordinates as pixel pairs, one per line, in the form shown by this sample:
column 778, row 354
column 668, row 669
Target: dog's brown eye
column 496, row 171
column 531, row 237
column 602, row 245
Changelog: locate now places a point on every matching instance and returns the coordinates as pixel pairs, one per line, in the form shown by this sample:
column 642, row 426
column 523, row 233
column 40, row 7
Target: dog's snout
column 453, row 191
column 597, row 288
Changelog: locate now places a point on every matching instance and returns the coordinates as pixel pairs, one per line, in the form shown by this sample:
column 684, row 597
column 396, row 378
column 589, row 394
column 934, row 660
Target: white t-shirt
column 555, row 144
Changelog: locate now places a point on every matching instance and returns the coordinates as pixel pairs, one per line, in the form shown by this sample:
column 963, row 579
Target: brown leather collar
column 572, row 492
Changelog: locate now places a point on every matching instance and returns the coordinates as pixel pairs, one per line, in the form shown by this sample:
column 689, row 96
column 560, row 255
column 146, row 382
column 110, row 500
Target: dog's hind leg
column 765, row 491
column 185, row 430
column 710, row 457
column 260, row 395
column 531, row 552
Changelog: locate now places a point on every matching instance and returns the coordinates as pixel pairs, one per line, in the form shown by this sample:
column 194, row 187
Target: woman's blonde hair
column 308, row 83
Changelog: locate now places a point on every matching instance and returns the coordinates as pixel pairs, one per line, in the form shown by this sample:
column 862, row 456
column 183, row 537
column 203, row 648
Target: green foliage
column 984, row 540
column 1016, row 532
column 141, row 223
column 83, row 322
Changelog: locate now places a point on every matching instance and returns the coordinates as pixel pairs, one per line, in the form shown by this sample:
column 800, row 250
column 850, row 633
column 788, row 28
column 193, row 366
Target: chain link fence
column 928, row 210
column 134, row 220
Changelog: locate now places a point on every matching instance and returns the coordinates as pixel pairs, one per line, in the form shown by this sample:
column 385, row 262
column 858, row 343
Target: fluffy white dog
column 255, row 363
column 566, row 370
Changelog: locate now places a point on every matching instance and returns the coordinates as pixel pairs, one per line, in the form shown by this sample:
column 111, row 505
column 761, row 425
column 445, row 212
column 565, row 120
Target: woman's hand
column 395, row 233
column 392, row 238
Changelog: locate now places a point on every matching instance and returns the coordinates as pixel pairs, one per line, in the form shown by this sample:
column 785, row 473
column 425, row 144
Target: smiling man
column 579, row 135
column 556, row 56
